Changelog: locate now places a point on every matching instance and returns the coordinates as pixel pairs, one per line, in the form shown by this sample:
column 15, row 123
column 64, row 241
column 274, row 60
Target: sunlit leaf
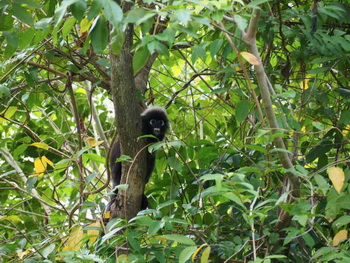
column 67, row 26
column 205, row 255
column 8, row 113
column 107, row 215
column 304, row 84
column 41, row 145
column 92, row 142
column 46, row 160
column 12, row 218
column 39, row 167
column 337, row 177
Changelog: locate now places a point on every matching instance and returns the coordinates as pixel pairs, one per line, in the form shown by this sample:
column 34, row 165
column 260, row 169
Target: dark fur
column 154, row 122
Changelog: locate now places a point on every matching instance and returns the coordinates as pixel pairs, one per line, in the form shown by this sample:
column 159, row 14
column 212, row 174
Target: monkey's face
column 157, row 126
column 155, row 122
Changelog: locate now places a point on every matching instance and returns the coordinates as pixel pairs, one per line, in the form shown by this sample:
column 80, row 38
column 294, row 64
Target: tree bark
column 127, row 115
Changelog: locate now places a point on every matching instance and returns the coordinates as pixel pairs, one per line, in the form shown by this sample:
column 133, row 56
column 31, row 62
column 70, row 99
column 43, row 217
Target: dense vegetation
column 220, row 191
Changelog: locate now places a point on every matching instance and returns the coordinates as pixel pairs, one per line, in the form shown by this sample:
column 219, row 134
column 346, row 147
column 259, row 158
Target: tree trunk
column 127, row 115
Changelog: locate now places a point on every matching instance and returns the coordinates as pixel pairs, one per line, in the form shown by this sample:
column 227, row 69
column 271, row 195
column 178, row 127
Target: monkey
column 154, row 121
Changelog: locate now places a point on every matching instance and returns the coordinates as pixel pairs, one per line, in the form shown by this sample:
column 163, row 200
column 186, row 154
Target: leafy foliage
column 218, row 186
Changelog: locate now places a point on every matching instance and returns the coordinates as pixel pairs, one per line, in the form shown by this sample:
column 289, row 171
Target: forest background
column 255, row 167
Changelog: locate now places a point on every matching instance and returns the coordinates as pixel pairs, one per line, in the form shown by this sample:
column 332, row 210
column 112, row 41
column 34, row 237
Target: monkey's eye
column 153, row 122
column 161, row 122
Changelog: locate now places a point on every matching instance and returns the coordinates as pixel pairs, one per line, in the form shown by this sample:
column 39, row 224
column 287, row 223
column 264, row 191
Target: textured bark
column 127, row 115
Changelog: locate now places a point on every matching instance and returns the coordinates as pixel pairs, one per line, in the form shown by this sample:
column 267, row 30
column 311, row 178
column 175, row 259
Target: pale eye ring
column 152, row 122
column 161, row 122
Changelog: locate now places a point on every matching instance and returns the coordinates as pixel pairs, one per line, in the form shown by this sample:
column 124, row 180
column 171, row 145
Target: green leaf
column 113, row 12
column 23, row 14
column 242, row 110
column 48, row 250
column 99, row 35
column 8, row 113
column 94, row 157
column 209, row 177
column 345, row 117
column 215, row 46
column 43, row 24
column 241, row 22
column 187, row 253
column 235, row 198
column 62, row 9
column 256, row 3
column 26, row 37
column 183, row 16
column 340, row 222
column 95, row 9
column 19, row 150
column 117, row 41
column 180, row 239
column 140, row 59
column 175, row 163
column 67, row 26
column 124, row 158
column 154, row 227
column 319, row 150
column 345, row 93
column 198, row 52
column 12, row 43
column 78, row 9
column 6, row 21
column 135, row 15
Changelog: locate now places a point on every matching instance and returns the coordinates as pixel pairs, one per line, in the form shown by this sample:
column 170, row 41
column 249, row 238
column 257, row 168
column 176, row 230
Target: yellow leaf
column 337, row 177
column 92, row 142
column 197, row 251
column 94, row 232
column 39, row 167
column 107, row 215
column 205, row 255
column 176, row 71
column 14, row 219
column 85, row 25
column 304, row 84
column 250, row 58
column 8, row 113
column 238, row 69
column 41, row 145
column 74, row 240
column 46, row 160
column 22, row 254
column 340, row 236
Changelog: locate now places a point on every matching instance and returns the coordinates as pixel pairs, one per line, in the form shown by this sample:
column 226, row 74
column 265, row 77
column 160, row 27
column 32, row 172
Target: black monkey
column 154, row 122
